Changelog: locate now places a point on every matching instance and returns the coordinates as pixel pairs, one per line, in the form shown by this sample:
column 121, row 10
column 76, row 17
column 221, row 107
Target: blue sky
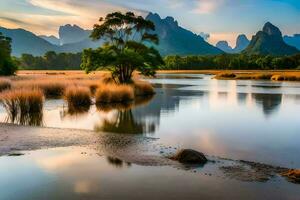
column 222, row 19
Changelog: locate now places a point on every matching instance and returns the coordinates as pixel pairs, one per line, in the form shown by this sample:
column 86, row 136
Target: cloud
column 207, row 6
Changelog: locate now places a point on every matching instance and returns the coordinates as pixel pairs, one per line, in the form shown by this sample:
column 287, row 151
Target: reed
column 4, row 84
column 112, row 93
column 78, row 97
column 24, row 106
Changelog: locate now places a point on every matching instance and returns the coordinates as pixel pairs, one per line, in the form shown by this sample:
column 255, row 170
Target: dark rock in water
column 189, row 156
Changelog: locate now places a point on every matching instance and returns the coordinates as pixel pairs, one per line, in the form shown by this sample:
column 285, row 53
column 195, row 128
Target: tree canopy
column 7, row 66
column 124, row 51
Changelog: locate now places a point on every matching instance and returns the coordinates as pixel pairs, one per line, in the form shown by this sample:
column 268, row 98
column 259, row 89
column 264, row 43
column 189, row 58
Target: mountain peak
column 153, row 16
column 269, row 41
column 270, row 29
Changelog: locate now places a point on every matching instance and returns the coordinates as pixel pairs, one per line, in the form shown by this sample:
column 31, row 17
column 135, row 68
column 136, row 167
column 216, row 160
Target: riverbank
column 139, row 150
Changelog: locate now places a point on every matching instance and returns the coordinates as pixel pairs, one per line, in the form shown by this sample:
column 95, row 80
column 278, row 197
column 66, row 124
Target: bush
column 114, row 94
column 78, row 97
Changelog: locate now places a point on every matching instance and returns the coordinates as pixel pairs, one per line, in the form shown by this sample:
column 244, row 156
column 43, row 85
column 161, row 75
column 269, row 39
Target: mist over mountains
column 174, row 40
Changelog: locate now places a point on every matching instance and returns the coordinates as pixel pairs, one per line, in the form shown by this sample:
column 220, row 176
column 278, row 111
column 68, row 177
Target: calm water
column 66, row 173
column 251, row 120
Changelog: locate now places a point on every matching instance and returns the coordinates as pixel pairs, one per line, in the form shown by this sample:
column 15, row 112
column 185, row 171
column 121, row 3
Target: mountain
column 269, row 41
column 177, row 40
column 72, row 34
column 293, row 40
column 26, row 42
column 224, row 46
column 51, row 39
column 242, row 43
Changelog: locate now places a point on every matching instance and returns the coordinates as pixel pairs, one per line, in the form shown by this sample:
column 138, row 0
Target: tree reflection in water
column 269, row 102
column 125, row 121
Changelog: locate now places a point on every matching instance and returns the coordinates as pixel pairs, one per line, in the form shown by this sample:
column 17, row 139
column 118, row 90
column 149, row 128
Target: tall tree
column 7, row 66
column 125, row 50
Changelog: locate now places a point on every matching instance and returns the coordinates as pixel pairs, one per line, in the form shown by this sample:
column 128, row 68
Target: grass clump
column 4, row 84
column 142, row 88
column 78, row 97
column 52, row 89
column 293, row 175
column 285, row 78
column 24, row 106
column 225, row 75
column 113, row 93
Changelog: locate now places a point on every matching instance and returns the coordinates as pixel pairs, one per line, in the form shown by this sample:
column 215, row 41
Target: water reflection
column 125, row 122
column 116, row 162
column 73, row 110
column 269, row 102
column 27, row 119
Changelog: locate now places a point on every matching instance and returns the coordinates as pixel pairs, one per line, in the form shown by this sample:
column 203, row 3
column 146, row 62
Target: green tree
column 7, row 66
column 125, row 50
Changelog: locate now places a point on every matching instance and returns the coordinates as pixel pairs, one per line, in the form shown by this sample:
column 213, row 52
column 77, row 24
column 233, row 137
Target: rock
column 189, row 156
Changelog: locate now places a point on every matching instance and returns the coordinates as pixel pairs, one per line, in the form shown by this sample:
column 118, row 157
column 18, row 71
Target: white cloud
column 207, row 6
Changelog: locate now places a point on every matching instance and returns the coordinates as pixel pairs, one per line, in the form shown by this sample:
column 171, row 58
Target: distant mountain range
column 177, row 40
column 174, row 40
column 241, row 44
column 269, row 41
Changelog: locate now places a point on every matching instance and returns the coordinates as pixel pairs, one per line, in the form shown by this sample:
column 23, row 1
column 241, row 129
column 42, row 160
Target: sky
column 221, row 19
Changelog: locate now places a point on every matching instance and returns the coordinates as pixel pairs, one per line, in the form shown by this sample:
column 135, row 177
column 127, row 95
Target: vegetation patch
column 142, row 88
column 24, row 106
column 78, row 98
column 4, row 84
column 292, row 175
column 113, row 93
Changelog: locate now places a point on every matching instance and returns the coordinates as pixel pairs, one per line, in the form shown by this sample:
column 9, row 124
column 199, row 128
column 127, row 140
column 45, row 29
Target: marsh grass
column 142, row 88
column 50, row 88
column 225, row 75
column 24, row 106
column 78, row 99
column 274, row 76
column 112, row 93
column 5, row 84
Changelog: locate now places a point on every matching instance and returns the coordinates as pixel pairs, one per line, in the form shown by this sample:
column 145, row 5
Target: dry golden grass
column 22, row 104
column 112, row 93
column 293, row 175
column 78, row 97
column 259, row 75
column 142, row 88
column 5, row 84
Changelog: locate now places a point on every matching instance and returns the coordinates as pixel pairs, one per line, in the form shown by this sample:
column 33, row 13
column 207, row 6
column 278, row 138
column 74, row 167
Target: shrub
column 78, row 98
column 114, row 94
column 24, row 106
column 4, row 84
column 142, row 88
